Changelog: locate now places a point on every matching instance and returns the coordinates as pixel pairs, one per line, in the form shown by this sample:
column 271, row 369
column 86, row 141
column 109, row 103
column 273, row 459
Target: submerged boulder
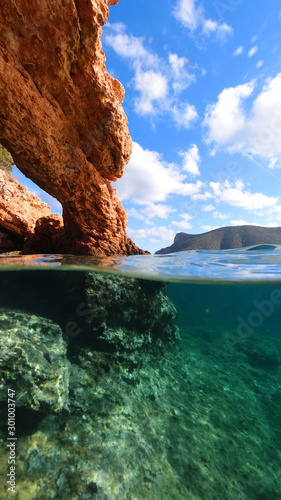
column 125, row 314
column 105, row 311
column 80, row 351
column 33, row 362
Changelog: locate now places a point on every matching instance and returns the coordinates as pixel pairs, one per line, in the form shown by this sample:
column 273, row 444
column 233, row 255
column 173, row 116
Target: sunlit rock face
column 61, row 115
column 19, row 211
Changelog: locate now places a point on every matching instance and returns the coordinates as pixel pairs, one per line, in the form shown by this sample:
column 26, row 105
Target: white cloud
column 181, row 77
column 226, row 119
column 202, row 196
column 253, row 51
column 184, row 115
column 219, row 215
column 209, row 228
column 238, row 51
column 276, row 209
column 220, row 29
column 235, row 195
column 259, row 64
column 193, row 17
column 153, row 234
column 256, row 132
column 149, row 179
column 191, row 160
column 151, row 211
column 132, row 212
column 208, row 208
column 187, row 216
column 183, row 224
column 157, row 82
column 190, row 16
column 152, row 86
column 161, row 211
column 242, row 222
column 128, row 45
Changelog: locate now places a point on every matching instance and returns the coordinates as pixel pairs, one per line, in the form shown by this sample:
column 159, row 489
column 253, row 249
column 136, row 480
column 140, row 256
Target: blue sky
column 203, row 100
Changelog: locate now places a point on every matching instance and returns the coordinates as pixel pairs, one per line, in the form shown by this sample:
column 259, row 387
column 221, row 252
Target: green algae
column 146, row 414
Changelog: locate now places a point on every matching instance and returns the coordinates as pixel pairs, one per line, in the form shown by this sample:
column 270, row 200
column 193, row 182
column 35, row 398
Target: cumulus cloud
column 157, row 82
column 191, row 160
column 256, row 132
column 149, row 179
column 226, row 119
column 192, row 16
column 162, row 211
column 152, row 87
column 236, row 195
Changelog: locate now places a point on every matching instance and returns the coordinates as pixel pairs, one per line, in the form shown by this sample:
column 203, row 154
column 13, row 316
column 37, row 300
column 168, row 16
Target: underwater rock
column 187, row 420
column 19, row 211
column 62, row 118
column 192, row 424
column 33, row 362
column 79, row 407
column 107, row 311
column 130, row 314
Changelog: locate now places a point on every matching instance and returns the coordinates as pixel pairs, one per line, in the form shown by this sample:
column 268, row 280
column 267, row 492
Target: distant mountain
column 225, row 238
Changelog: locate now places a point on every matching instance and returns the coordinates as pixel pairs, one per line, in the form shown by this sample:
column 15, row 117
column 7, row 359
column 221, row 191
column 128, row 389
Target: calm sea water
column 153, row 377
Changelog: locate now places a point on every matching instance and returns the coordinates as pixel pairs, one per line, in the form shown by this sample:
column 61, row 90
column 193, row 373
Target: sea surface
column 143, row 377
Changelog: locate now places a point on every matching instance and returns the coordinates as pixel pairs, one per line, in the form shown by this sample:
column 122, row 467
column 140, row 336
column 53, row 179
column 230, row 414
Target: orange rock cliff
column 62, row 119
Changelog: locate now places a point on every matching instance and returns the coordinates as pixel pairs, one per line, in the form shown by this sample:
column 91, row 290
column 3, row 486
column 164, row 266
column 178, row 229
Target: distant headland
column 225, row 238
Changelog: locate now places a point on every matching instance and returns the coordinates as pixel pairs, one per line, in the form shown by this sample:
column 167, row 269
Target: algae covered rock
column 105, row 311
column 33, row 362
column 92, row 382
column 120, row 410
column 130, row 313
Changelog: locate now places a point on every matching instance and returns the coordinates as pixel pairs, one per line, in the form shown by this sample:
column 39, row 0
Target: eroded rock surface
column 19, row 211
column 33, row 360
column 152, row 417
column 62, row 118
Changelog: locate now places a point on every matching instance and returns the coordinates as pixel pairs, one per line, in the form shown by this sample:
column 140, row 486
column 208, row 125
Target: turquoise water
column 147, row 377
